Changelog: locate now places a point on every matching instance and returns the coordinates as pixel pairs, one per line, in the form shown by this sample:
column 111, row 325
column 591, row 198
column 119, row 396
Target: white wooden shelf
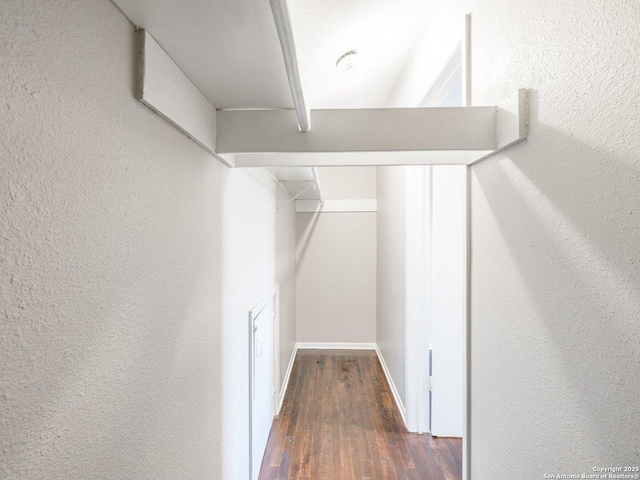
column 301, row 184
column 348, row 137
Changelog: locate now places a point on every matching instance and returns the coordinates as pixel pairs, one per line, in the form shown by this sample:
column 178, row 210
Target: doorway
column 437, row 369
column 263, row 362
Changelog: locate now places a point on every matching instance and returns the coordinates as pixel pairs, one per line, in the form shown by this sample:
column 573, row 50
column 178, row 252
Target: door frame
column 417, row 297
column 272, row 297
column 417, row 301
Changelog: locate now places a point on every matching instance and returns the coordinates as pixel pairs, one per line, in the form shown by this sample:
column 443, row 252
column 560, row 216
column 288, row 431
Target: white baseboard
column 349, row 346
column 285, row 382
column 335, row 346
column 392, row 386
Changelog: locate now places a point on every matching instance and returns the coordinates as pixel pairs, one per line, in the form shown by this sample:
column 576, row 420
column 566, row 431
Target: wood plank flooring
column 339, row 422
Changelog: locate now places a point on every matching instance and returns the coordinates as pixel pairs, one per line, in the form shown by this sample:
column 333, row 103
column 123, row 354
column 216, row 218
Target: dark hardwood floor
column 339, row 422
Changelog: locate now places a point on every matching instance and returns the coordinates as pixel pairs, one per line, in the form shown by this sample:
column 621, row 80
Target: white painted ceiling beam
column 168, row 92
column 358, row 130
column 270, row 138
column 342, row 159
column 510, row 127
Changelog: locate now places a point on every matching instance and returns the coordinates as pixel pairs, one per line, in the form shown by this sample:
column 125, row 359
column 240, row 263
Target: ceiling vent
column 347, row 61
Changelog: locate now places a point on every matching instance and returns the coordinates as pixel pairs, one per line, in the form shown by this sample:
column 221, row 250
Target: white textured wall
column 286, row 277
column 129, row 260
column 336, row 254
column 336, row 277
column 347, row 182
column 391, row 272
column 555, row 238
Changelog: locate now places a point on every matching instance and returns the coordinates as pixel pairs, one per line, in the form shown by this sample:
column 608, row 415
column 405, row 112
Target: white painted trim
column 334, row 346
column 466, row 364
column 358, row 130
column 387, row 158
column 342, row 205
column 285, row 382
column 276, row 346
column 466, row 62
column 466, row 352
column 168, row 92
column 392, row 385
column 446, row 79
column 416, row 298
column 273, row 296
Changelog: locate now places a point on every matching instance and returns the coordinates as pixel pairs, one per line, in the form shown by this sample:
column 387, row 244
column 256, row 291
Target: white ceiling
column 230, row 49
column 383, row 32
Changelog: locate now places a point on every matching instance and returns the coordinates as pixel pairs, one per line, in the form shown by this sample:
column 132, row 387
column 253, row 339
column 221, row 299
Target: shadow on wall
column 305, row 226
column 111, row 327
column 569, row 213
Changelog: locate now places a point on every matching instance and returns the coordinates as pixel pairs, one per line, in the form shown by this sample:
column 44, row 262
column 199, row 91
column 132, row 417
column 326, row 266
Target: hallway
column 339, row 421
column 157, row 185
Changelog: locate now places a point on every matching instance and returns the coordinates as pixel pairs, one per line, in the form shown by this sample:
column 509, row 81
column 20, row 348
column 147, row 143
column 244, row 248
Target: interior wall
column 336, row 263
column 348, row 182
column 555, row 226
column 130, row 258
column 286, row 278
column 391, row 273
